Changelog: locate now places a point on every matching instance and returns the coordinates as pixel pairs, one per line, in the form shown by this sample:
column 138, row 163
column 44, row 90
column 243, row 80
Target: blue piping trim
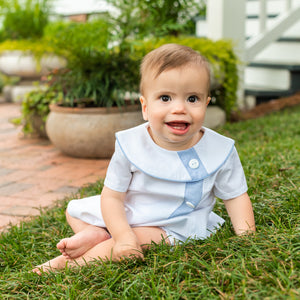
column 185, row 157
column 192, row 180
column 193, row 190
column 193, row 194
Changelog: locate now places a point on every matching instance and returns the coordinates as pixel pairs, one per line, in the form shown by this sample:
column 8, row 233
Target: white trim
column 256, row 44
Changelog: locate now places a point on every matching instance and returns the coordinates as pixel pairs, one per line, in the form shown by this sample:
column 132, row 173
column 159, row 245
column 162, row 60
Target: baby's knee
column 87, row 210
column 72, row 208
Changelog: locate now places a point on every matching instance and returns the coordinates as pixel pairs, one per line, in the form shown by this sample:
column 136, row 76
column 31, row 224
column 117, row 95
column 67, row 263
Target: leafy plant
column 8, row 80
column 24, row 19
column 35, row 109
column 139, row 18
column 95, row 70
column 37, row 47
column 79, row 41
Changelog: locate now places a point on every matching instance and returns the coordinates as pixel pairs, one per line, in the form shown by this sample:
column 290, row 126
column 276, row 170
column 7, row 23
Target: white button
column 190, row 204
column 194, row 163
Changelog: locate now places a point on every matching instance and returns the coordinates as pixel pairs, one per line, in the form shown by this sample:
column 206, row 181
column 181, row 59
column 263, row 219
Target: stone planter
column 89, row 132
column 25, row 65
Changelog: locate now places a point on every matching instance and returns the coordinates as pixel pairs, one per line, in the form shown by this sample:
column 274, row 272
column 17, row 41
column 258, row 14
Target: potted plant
column 98, row 75
column 94, row 85
column 28, row 58
column 23, row 50
column 22, row 28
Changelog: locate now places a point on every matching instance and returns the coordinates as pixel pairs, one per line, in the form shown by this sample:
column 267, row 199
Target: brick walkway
column 33, row 173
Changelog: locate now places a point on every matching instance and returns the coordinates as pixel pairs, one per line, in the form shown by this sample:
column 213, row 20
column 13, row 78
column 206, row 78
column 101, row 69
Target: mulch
column 266, row 108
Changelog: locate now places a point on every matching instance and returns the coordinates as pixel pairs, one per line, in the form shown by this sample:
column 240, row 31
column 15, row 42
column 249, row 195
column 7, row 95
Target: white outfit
column 174, row 190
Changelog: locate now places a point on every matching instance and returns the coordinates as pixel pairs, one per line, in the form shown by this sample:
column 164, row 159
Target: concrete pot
column 25, row 65
column 89, row 132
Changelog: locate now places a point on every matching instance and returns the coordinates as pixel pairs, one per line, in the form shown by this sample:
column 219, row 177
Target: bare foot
column 81, row 242
column 101, row 250
column 58, row 262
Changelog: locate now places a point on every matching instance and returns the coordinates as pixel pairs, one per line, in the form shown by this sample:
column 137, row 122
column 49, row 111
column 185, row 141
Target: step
column 285, row 51
column 292, row 66
column 273, row 6
column 273, row 76
column 252, row 27
column 261, row 75
column 265, row 91
column 257, row 95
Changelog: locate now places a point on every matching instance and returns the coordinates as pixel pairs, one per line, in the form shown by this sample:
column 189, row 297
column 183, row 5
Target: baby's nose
column 179, row 106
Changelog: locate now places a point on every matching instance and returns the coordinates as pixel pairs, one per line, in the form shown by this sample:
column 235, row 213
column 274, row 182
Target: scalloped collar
column 193, row 164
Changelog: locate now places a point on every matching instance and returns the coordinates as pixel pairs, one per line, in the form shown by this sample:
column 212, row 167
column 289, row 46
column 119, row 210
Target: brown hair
column 170, row 56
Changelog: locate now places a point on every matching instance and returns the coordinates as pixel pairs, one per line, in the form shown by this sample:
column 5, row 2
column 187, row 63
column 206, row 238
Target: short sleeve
column 230, row 180
column 118, row 175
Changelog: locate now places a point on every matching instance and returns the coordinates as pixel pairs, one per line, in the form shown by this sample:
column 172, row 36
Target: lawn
column 224, row 266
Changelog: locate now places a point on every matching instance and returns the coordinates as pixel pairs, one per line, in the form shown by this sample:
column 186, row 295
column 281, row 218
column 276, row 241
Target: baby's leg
column 86, row 236
column 103, row 251
column 100, row 251
column 56, row 263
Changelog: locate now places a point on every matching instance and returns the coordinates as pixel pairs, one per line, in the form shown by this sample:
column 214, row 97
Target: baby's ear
column 144, row 108
column 208, row 100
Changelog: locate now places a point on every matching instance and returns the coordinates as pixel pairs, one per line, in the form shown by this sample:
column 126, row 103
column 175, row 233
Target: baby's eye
column 165, row 98
column 192, row 99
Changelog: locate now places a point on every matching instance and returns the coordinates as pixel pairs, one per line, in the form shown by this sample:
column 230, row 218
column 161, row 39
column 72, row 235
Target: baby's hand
column 127, row 246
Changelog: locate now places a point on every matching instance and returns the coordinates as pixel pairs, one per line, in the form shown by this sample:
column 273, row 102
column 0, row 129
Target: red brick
column 35, row 173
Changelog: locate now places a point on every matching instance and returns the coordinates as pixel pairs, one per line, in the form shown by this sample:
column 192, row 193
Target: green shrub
column 24, row 19
column 36, row 47
column 78, row 41
column 139, row 18
column 36, row 105
column 95, row 70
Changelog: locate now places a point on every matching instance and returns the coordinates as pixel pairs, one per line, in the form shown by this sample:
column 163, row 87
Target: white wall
column 68, row 7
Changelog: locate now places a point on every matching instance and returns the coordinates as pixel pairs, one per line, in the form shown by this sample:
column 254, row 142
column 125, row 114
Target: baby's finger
column 137, row 254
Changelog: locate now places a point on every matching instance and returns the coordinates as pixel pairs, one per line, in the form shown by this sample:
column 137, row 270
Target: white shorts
column 88, row 210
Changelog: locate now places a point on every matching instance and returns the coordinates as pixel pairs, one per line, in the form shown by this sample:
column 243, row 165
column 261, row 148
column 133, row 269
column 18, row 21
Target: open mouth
column 178, row 126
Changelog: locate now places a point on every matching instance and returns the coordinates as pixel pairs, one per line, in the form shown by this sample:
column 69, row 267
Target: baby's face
column 175, row 103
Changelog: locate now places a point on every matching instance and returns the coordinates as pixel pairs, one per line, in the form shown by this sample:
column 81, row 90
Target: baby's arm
column 241, row 214
column 126, row 242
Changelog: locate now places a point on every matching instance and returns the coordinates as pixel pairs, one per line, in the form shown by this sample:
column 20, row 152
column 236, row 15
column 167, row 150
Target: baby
column 164, row 176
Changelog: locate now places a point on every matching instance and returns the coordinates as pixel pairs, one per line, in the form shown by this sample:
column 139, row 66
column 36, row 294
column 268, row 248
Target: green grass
column 263, row 266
